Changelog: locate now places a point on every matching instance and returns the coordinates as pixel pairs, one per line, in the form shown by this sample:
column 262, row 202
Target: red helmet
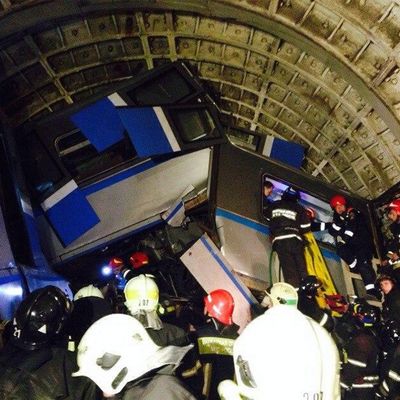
column 116, row 263
column 395, row 205
column 139, row 259
column 220, row 304
column 311, row 213
column 337, row 200
column 336, row 302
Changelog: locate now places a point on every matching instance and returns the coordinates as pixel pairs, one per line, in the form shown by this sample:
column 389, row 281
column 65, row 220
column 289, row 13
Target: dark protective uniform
column 86, row 311
column 169, row 335
column 309, row 306
column 288, row 221
column 215, row 350
column 43, row 374
column 157, row 387
column 391, row 305
column 390, row 385
column 360, row 367
column 353, row 244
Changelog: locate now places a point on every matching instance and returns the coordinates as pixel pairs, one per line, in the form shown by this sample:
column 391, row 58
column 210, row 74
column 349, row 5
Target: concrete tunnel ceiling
column 321, row 73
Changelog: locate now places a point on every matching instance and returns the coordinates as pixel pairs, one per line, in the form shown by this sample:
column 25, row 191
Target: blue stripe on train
column 100, row 123
column 145, row 131
column 72, row 216
column 242, row 220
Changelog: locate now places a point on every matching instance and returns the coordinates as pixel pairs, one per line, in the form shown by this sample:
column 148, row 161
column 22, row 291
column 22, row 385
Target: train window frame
column 204, row 140
column 195, row 90
column 246, row 144
column 305, row 201
column 97, row 173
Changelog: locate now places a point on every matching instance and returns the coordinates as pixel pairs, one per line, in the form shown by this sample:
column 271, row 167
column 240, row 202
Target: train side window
column 83, row 161
column 243, row 139
column 166, row 89
column 194, row 124
column 39, row 166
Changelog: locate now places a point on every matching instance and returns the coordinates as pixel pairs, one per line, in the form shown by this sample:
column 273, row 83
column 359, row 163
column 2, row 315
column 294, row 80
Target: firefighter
column 35, row 364
column 360, row 347
column 119, row 356
column 390, row 370
column 215, row 341
column 89, row 305
column 288, row 221
column 142, row 295
column 391, row 297
column 353, row 241
column 393, row 247
column 308, row 305
column 283, row 355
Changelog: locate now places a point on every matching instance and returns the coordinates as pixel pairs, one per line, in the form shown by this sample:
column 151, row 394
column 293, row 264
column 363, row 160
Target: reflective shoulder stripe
column 324, row 320
column 336, row 227
column 394, row 375
column 371, row 378
column 385, row 386
column 292, row 235
column 357, row 363
column 343, row 385
column 305, row 225
column 349, row 233
column 362, row 385
column 215, row 345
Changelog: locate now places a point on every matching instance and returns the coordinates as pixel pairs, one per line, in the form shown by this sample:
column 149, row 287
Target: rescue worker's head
column 393, row 210
column 40, row 318
column 88, row 291
column 116, row 264
column 291, row 194
column 311, row 214
column 385, row 283
column 283, row 293
column 366, row 314
column 139, row 259
column 268, row 188
column 390, row 335
column 141, row 294
column 309, row 285
column 219, row 304
column 116, row 350
column 338, row 204
column 272, row 353
column 337, row 303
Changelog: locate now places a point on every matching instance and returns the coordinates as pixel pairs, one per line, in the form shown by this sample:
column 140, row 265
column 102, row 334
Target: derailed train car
column 118, row 172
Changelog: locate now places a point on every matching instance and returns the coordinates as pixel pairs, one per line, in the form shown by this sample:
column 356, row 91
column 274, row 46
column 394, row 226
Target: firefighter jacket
column 391, row 305
column 215, row 350
column 309, row 306
column 352, row 230
column 390, row 384
column 168, row 335
column 360, row 368
column 43, row 374
column 393, row 245
column 287, row 219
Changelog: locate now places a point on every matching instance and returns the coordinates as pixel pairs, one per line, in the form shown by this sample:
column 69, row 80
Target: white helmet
column 141, row 294
column 117, row 349
column 283, row 293
column 88, row 291
column 275, row 349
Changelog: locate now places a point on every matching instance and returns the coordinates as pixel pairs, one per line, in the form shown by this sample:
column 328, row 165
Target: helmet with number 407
column 141, row 293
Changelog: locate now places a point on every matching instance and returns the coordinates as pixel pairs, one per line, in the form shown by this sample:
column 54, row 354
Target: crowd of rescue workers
column 114, row 341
